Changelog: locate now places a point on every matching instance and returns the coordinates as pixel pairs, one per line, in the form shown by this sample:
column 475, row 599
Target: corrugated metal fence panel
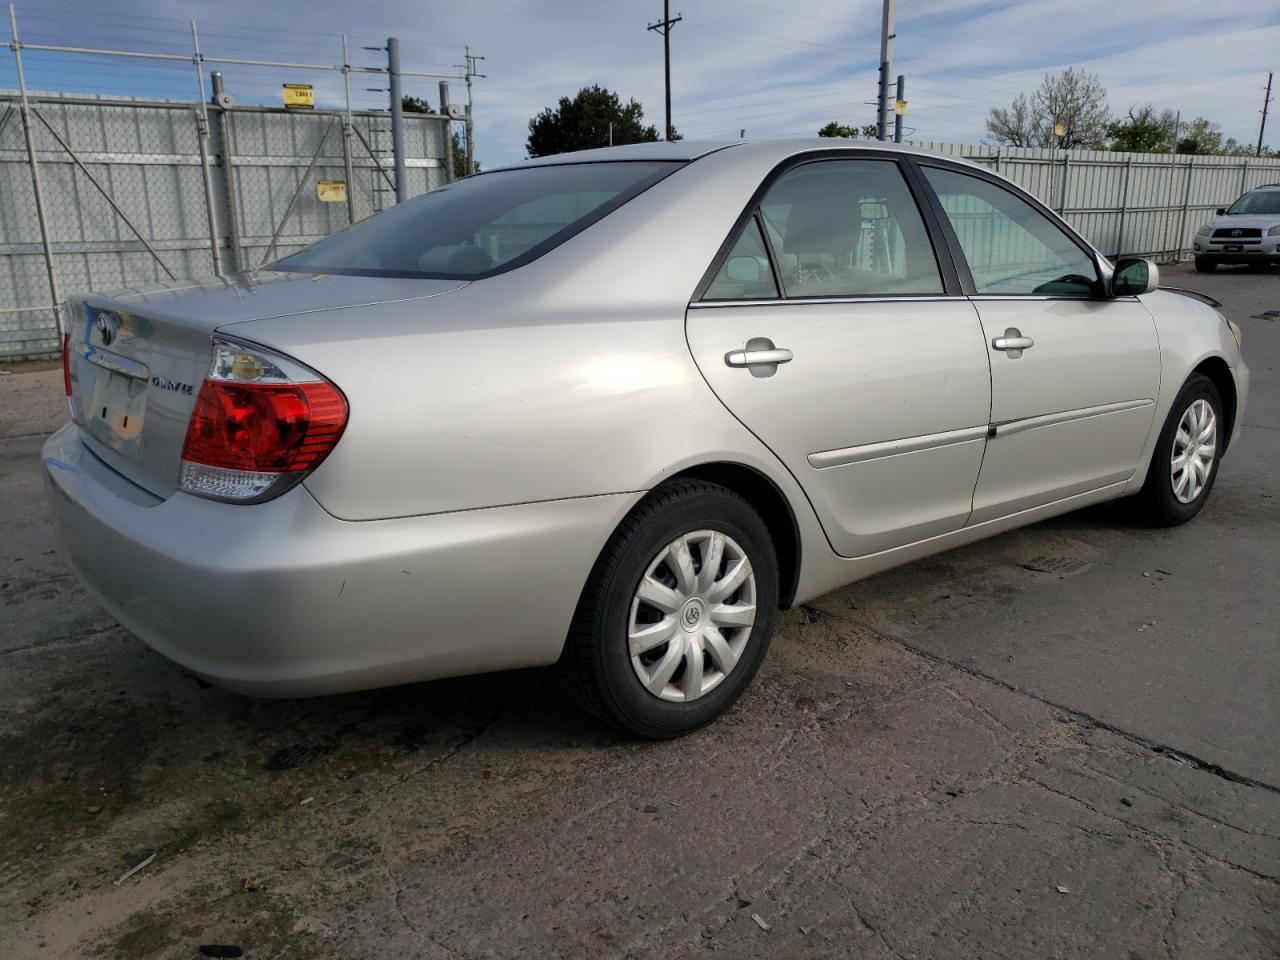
column 1136, row 204
column 146, row 157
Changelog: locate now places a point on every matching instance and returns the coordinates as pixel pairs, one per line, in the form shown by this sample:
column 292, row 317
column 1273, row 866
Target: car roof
column 764, row 150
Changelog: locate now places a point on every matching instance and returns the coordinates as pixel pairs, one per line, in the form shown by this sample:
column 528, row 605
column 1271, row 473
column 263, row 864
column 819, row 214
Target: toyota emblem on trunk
column 106, row 325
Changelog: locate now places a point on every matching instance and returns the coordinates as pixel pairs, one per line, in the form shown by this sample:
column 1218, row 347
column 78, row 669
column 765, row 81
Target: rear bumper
column 283, row 599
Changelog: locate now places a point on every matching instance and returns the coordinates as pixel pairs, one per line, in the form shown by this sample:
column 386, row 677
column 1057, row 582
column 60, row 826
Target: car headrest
column 816, row 224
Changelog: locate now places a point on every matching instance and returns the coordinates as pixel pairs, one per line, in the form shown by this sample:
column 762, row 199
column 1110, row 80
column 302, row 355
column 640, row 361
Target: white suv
column 1248, row 231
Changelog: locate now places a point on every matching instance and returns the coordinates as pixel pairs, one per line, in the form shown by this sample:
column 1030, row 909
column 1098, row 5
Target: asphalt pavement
column 1061, row 742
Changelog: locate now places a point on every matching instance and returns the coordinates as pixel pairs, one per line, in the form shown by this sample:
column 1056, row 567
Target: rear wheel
column 1184, row 463
column 1205, row 265
column 677, row 614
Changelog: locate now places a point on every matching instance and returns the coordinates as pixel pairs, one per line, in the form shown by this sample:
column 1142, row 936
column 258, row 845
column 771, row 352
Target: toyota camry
column 612, row 411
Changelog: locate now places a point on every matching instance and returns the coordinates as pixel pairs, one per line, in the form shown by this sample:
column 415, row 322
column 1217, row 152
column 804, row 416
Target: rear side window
column 481, row 225
column 1011, row 247
column 746, row 274
column 843, row 228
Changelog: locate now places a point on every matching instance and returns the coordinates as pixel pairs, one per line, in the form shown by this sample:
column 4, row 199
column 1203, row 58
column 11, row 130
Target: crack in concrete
column 1173, row 753
column 1178, row 806
column 1157, row 839
column 83, row 636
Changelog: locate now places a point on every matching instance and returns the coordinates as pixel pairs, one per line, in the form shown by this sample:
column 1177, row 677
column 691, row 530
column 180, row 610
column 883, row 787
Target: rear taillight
column 260, row 424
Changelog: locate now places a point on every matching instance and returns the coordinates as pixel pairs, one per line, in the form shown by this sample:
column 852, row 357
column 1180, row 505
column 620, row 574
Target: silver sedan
column 612, row 411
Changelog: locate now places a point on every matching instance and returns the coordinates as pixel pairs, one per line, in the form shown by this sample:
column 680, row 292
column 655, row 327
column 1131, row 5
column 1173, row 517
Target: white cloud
column 775, row 68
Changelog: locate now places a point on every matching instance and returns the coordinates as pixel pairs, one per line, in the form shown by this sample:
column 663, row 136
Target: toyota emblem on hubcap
column 692, row 614
column 106, row 326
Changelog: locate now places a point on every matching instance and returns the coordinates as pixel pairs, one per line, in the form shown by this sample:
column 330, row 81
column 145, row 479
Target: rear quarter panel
column 567, row 377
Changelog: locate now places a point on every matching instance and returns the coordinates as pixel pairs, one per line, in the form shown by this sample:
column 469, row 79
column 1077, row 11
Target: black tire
column 1205, row 265
column 596, row 666
column 1157, row 502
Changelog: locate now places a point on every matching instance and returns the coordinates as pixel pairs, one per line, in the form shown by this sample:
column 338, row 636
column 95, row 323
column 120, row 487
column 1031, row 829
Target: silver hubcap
column 691, row 615
column 1194, row 447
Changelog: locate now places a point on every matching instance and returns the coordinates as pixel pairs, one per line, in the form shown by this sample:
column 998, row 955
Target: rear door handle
column 1013, row 343
column 751, row 358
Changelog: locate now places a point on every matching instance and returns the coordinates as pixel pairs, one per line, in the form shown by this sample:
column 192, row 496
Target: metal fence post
column 346, row 135
column 202, row 138
column 228, row 174
column 25, row 110
column 1244, row 176
column 1124, row 206
column 1066, row 174
column 446, row 129
column 1186, row 204
column 997, row 164
column 397, row 118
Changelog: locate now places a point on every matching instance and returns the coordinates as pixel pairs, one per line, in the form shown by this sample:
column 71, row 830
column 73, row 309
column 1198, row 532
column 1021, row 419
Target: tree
column 1144, row 131
column 584, row 122
column 1013, row 125
column 418, row 105
column 834, row 129
column 1201, row 136
column 1076, row 100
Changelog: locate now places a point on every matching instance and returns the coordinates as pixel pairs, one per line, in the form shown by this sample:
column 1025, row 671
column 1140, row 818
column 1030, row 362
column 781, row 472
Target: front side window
column 482, row 224
column 1259, row 201
column 1011, row 247
column 843, row 228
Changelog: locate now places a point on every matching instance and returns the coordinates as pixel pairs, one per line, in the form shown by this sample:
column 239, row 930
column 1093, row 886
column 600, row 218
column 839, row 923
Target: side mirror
column 1133, row 276
column 744, row 269
column 1220, row 211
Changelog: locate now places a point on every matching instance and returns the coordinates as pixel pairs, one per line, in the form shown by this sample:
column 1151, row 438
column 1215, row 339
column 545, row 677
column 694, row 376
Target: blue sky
column 772, row 68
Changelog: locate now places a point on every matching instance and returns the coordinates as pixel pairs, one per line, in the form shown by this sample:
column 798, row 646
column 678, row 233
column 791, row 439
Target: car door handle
column 1013, row 340
column 1013, row 343
column 752, row 358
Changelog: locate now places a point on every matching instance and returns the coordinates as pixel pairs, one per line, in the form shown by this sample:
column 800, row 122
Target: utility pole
column 471, row 72
column 1266, row 100
column 663, row 27
column 886, row 64
column 397, row 118
column 899, row 108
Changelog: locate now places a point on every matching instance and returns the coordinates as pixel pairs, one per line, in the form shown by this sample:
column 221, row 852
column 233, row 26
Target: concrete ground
column 1061, row 742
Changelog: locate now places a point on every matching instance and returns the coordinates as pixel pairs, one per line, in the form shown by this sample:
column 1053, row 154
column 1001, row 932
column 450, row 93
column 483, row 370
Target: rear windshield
column 1260, row 201
column 481, row 225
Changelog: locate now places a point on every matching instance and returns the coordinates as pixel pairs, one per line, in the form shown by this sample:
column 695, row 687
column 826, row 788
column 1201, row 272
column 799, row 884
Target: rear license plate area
column 115, row 411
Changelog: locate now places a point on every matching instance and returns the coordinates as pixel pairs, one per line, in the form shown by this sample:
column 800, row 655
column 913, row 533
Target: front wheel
column 1184, row 463
column 677, row 614
column 1205, row 265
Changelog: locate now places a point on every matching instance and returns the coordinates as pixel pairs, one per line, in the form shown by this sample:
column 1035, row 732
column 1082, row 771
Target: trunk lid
column 138, row 356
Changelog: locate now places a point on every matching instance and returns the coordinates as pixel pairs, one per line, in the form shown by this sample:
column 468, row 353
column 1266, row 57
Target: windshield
column 1260, row 201
column 481, row 225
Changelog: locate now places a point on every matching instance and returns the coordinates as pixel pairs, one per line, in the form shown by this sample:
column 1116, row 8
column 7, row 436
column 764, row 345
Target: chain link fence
column 137, row 191
column 102, row 191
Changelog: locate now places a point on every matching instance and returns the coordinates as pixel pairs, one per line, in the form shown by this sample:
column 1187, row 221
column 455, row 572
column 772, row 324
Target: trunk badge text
column 164, row 383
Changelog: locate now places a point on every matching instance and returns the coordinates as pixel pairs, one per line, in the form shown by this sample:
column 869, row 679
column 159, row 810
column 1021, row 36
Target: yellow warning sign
column 299, row 96
column 331, row 191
